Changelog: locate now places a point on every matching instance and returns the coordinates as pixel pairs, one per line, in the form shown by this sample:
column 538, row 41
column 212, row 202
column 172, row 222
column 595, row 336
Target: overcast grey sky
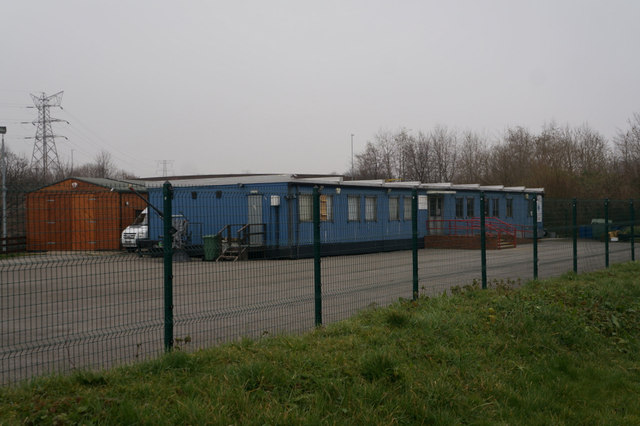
column 279, row 86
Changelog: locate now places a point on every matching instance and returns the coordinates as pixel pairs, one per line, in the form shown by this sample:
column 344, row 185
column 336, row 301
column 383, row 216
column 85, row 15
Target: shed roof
column 112, row 184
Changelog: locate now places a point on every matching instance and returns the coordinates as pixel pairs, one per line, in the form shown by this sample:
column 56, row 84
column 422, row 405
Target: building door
column 436, row 225
column 84, row 225
column 256, row 226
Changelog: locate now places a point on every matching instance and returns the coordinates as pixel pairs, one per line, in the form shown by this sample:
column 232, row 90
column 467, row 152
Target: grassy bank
column 563, row 351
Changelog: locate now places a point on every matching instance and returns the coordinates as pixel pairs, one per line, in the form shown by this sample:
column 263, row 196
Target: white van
column 138, row 230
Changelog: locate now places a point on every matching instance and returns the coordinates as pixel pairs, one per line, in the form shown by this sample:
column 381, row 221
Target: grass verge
column 562, row 351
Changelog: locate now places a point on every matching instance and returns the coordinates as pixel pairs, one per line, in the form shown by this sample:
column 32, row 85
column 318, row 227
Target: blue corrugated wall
column 210, row 208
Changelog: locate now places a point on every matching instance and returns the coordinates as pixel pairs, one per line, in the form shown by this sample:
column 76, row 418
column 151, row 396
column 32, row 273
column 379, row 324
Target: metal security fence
column 588, row 234
column 213, row 265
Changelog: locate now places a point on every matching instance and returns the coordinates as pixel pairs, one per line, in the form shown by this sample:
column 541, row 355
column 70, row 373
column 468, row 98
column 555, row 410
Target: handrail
column 244, row 233
column 471, row 226
column 510, row 227
column 493, row 222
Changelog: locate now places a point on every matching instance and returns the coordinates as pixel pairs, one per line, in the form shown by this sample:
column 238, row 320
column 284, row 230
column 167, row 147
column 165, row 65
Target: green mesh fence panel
column 69, row 297
column 72, row 297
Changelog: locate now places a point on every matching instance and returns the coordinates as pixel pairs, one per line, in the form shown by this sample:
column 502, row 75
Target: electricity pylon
column 45, row 155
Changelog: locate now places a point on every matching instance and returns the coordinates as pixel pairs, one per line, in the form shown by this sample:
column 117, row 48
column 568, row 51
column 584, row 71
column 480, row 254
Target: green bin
column 598, row 226
column 212, row 246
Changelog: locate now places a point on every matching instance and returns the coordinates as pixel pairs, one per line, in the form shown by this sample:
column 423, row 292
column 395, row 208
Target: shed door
column 85, row 223
column 58, row 225
column 256, row 227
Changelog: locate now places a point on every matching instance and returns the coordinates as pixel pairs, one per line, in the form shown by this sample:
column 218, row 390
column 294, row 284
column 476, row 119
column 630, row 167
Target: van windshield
column 140, row 219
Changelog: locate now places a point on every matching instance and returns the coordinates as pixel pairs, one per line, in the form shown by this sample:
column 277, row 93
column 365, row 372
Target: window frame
column 471, row 212
column 435, row 202
column 305, row 208
column 326, row 208
column 459, row 207
column 357, row 200
column 495, row 207
column 407, row 203
column 394, row 214
column 370, row 210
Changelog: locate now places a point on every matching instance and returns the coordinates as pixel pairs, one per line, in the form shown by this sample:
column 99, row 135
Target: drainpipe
column 289, row 220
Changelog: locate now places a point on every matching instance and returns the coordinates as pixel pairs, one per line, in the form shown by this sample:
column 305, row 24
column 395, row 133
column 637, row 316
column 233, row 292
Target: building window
column 394, row 208
column 305, row 206
column 459, row 208
column 370, row 209
column 326, row 208
column 435, row 206
column 353, row 203
column 495, row 207
column 470, row 207
column 509, row 207
column 408, row 206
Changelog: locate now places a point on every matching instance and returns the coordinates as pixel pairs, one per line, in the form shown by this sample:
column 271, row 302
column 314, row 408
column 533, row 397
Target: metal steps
column 232, row 251
column 505, row 243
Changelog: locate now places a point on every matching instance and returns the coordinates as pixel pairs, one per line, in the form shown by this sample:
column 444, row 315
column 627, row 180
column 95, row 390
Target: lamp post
column 3, row 130
column 352, row 175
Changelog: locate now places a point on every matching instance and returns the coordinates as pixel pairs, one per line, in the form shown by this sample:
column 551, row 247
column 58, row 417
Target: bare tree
column 368, row 163
column 565, row 161
column 380, row 159
column 473, row 159
column 417, row 155
column 388, row 152
column 444, row 143
column 104, row 165
column 101, row 167
column 510, row 161
column 592, row 150
column 627, row 153
column 404, row 150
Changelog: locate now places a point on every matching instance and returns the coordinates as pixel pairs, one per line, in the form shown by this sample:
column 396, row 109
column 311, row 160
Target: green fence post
column 633, row 219
column 167, row 243
column 483, row 242
column 574, row 208
column 414, row 240
column 316, row 256
column 606, row 233
column 535, row 236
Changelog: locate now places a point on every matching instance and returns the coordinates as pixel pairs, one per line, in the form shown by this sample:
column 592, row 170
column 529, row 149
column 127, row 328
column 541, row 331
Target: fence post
column 316, row 256
column 633, row 219
column 167, row 243
column 414, row 240
column 606, row 233
column 574, row 208
column 535, row 236
column 483, row 242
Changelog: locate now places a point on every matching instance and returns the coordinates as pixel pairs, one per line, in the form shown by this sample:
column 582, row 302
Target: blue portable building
column 272, row 214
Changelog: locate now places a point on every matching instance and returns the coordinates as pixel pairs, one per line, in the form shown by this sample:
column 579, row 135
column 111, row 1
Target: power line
column 94, row 138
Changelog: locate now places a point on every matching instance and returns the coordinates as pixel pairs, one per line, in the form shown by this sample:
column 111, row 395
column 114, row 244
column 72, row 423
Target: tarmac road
column 65, row 311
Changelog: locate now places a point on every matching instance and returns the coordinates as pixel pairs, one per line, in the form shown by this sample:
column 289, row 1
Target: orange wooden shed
column 81, row 213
